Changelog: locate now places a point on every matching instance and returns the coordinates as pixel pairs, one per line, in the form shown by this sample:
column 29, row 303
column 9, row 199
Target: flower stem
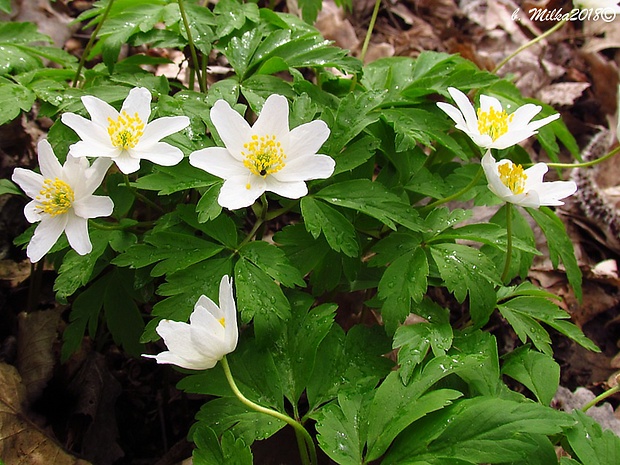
column 456, row 195
column 259, row 221
column 371, row 26
column 535, row 40
column 138, row 195
column 300, row 431
column 586, row 164
column 603, row 396
column 90, row 43
column 192, row 47
column 506, row 271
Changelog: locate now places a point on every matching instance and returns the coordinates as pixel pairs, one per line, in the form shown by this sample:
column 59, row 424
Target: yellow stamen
column 126, row 131
column 512, row 176
column 222, row 321
column 263, row 156
column 493, row 123
column 55, row 197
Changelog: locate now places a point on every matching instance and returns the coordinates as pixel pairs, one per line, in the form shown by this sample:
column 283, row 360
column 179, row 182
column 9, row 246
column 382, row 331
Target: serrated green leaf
column 466, row 271
column 207, row 207
column 338, row 231
column 590, row 444
column 14, row 99
column 373, row 199
column 171, row 179
column 302, row 250
column 560, row 245
column 272, row 261
column 355, row 154
column 232, row 15
column 538, row 372
column 211, row 451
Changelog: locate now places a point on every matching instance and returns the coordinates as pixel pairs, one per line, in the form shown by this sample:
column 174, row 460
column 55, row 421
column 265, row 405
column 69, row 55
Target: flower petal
column 306, row 139
column 99, row 111
column 93, row 206
column 32, row 213
column 290, row 190
column 160, row 153
column 227, row 304
column 273, row 118
column 95, row 174
column 523, row 115
column 535, row 176
column 529, row 199
column 176, row 336
column 90, row 148
column 30, row 182
column 469, row 114
column 126, row 163
column 306, row 168
column 162, row 127
column 138, row 101
column 551, row 192
column 495, row 184
column 232, row 128
column 217, row 161
column 487, row 102
column 455, row 115
column 45, row 236
column 86, row 129
column 77, row 234
column 49, row 164
column 171, row 358
column 241, row 191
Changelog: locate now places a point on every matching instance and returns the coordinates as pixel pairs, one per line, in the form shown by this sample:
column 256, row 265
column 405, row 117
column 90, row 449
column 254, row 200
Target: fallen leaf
column 562, row 93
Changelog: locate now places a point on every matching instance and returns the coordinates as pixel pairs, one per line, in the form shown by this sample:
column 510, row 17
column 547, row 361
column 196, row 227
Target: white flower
column 125, row 137
column 491, row 127
column 264, row 157
column 610, row 5
column 62, row 200
column 211, row 333
column 513, row 184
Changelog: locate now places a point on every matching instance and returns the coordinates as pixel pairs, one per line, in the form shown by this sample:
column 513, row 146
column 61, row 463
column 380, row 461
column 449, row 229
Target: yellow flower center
column 56, row 197
column 263, row 155
column 512, row 176
column 222, row 321
column 493, row 123
column 126, row 131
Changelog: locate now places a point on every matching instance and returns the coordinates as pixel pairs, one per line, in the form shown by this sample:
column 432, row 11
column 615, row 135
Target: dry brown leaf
column 14, row 272
column 37, row 332
column 601, row 35
column 22, row 442
column 334, row 26
column 562, row 93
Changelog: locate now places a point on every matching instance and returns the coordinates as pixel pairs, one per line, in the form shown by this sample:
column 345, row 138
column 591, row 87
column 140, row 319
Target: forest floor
column 109, row 409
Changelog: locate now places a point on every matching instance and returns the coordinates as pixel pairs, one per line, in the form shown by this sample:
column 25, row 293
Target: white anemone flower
column 210, row 335
column 491, row 127
column 125, row 137
column 526, row 188
column 62, row 200
column 265, row 157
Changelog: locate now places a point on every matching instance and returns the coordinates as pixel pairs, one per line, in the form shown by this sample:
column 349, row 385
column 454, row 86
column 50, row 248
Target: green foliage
column 212, row 451
column 589, row 444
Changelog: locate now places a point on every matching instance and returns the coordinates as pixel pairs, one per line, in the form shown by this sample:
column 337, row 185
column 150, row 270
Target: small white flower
column 513, row 184
column 211, row 333
column 610, row 5
column 491, row 127
column 62, row 200
column 125, row 137
column 264, row 157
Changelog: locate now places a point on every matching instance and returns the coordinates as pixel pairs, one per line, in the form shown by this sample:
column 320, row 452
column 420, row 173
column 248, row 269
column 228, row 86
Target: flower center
column 263, row 155
column 512, row 176
column 55, row 197
column 126, row 131
column 222, row 321
column 493, row 123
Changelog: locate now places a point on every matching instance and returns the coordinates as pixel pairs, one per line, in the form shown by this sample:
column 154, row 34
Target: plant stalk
column 586, row 164
column 603, row 396
column 192, row 47
column 506, row 271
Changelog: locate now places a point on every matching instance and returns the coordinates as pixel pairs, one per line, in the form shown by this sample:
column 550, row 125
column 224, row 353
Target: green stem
column 259, row 221
column 506, row 271
column 603, row 396
column 529, row 44
column 371, row 26
column 89, row 45
column 192, row 47
column 586, row 164
column 456, row 195
column 138, row 195
column 299, row 429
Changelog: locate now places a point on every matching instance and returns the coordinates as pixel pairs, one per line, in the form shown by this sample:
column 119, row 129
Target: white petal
column 469, row 114
column 126, row 163
column 495, row 184
column 99, row 111
column 227, row 304
column 74, row 174
column 30, row 182
column 534, row 125
column 77, row 234
column 487, row 102
column 138, row 101
column 455, row 115
column 45, row 236
column 93, row 148
column 273, row 118
column 49, row 164
column 535, row 176
column 206, row 314
column 523, row 115
column 290, row 190
column 173, row 359
column 217, row 161
column 160, row 153
column 86, row 129
column 231, row 126
column 241, row 191
column 162, row 127
column 551, row 192
column 307, row 139
column 93, row 206
column 176, row 335
column 95, row 174
column 528, row 199
column 32, row 213
column 212, row 347
column 510, row 138
column 306, row 168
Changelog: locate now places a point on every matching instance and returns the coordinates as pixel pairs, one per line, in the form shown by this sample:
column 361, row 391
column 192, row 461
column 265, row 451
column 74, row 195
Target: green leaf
column 466, row 271
column 538, row 372
column 309, row 9
column 170, row 179
column 272, row 261
column 208, row 207
column 478, row 430
column 211, row 451
column 8, row 187
column 302, row 250
column 373, row 199
column 590, row 444
column 338, row 231
column 5, row 5
column 259, row 298
column 122, row 315
column 355, row 154
column 232, row 15
column 14, row 99
column 560, row 245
